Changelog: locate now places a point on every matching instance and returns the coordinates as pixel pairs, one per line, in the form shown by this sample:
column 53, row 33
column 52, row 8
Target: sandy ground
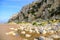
column 4, row 28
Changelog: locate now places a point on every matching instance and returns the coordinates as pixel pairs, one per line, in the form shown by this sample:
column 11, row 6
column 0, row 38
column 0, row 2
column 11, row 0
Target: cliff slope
column 40, row 9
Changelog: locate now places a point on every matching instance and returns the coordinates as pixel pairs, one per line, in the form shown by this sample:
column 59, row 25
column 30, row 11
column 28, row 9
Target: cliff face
column 40, row 9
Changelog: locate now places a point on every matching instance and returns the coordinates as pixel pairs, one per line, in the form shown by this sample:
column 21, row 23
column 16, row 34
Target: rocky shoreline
column 28, row 31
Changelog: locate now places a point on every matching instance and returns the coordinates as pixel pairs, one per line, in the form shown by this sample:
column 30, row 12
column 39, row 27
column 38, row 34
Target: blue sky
column 10, row 7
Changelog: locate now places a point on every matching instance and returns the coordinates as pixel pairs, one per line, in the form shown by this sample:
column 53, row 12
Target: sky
column 10, row 7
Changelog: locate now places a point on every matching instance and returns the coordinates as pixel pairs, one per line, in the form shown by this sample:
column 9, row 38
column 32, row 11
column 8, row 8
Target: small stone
column 23, row 32
column 12, row 28
column 17, row 34
column 15, row 29
column 27, row 35
column 55, row 24
column 25, row 39
column 11, row 33
column 21, row 28
column 35, row 39
column 55, row 36
column 14, row 34
column 48, row 38
column 41, row 31
column 26, row 29
column 44, row 31
column 41, row 38
column 44, row 38
column 59, row 30
column 30, row 31
column 51, row 31
column 7, row 33
column 49, row 28
column 37, row 31
column 33, row 31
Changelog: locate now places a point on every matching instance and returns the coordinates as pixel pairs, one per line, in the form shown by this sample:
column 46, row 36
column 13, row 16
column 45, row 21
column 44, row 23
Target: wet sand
column 4, row 28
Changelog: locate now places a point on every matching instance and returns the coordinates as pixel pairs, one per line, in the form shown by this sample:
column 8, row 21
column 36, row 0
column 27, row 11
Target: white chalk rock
column 37, row 30
column 23, row 32
column 44, row 31
column 33, row 31
column 15, row 29
column 51, row 31
column 14, row 34
column 26, row 29
column 21, row 28
column 55, row 36
column 48, row 28
column 11, row 33
column 7, row 33
column 30, row 31
column 12, row 28
column 35, row 39
column 41, row 38
column 25, row 39
column 28, row 35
